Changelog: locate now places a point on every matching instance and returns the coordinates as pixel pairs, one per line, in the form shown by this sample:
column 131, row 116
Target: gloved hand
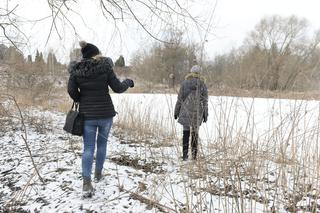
column 205, row 117
column 129, row 82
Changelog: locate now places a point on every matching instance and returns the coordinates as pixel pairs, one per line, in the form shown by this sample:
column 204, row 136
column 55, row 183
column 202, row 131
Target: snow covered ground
column 257, row 155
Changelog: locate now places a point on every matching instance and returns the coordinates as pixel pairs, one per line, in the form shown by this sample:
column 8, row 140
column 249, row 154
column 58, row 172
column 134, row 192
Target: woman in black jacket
column 88, row 85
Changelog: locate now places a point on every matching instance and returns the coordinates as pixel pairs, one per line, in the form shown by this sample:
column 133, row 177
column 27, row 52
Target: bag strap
column 75, row 106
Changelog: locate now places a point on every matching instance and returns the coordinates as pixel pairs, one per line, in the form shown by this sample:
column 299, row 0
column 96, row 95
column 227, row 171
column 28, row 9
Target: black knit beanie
column 88, row 50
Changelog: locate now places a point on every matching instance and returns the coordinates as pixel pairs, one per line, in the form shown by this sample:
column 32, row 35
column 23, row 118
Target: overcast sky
column 233, row 20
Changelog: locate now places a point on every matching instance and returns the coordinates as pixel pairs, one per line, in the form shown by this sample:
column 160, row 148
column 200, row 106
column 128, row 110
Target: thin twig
column 150, row 202
column 24, row 137
column 142, row 25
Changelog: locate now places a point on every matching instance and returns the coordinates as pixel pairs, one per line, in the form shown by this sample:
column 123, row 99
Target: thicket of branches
column 175, row 57
column 150, row 16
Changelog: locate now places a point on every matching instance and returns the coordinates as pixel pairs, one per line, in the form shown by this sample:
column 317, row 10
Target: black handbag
column 74, row 121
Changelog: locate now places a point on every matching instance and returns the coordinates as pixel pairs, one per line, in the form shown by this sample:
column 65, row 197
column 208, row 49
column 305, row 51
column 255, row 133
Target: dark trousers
column 185, row 144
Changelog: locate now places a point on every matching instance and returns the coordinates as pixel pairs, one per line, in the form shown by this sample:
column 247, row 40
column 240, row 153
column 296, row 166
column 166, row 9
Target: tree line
column 280, row 53
column 33, row 76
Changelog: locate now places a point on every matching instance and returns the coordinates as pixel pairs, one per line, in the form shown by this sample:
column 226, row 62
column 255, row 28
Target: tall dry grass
column 241, row 168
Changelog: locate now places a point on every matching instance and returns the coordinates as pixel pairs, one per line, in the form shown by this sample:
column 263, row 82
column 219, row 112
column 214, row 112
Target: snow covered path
column 136, row 179
column 58, row 158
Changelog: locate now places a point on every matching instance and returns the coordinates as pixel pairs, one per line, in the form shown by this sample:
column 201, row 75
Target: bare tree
column 279, row 54
column 283, row 42
column 165, row 59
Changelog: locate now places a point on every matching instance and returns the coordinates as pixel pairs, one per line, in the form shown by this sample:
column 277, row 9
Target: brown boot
column 87, row 189
column 97, row 176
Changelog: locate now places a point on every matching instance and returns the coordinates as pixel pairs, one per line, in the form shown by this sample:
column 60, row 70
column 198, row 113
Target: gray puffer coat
column 192, row 104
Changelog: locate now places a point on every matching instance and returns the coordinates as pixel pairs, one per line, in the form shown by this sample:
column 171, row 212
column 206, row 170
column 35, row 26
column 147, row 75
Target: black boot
column 185, row 145
column 194, row 145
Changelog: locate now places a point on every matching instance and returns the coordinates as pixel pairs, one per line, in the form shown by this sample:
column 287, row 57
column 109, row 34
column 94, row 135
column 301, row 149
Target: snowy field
column 256, row 155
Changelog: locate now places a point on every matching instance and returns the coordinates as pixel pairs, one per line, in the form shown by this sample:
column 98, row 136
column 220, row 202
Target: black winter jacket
column 88, row 85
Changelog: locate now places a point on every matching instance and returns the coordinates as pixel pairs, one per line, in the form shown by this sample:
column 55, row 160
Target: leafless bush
column 41, row 124
column 162, row 60
column 5, row 116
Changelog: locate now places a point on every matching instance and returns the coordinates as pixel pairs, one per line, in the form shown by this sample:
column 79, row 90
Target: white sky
column 236, row 18
column 233, row 19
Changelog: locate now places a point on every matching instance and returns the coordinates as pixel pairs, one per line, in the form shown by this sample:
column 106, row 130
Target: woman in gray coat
column 191, row 109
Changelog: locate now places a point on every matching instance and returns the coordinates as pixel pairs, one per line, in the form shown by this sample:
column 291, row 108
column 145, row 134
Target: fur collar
column 194, row 75
column 90, row 67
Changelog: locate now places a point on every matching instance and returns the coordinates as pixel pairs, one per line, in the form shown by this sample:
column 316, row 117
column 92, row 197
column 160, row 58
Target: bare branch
column 24, row 137
column 10, row 12
column 8, row 37
column 105, row 8
column 142, row 25
column 54, row 17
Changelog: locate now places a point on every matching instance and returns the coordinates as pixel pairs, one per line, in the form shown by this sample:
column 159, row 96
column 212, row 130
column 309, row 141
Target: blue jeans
column 89, row 141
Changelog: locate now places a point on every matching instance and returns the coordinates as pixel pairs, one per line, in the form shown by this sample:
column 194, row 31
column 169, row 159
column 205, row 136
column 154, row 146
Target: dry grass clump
column 280, row 163
column 140, row 123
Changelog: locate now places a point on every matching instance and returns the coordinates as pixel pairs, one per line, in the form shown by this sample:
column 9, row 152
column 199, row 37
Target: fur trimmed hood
column 195, row 75
column 90, row 67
